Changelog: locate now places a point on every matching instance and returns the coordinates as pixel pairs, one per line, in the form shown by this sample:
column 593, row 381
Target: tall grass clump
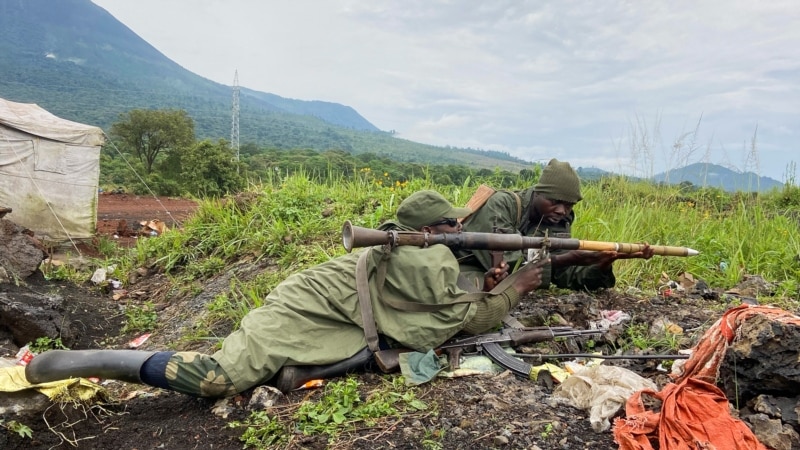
column 736, row 234
column 293, row 221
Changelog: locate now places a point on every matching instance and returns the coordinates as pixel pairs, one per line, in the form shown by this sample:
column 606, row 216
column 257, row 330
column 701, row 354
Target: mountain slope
column 713, row 175
column 76, row 60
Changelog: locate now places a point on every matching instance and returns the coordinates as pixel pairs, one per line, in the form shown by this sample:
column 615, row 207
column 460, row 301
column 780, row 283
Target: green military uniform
column 314, row 318
column 509, row 212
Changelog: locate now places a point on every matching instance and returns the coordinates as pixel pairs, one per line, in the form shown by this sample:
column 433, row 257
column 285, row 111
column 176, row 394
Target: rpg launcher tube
column 355, row 237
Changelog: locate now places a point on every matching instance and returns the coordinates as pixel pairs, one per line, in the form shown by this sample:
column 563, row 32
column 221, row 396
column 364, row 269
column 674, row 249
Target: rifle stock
column 389, row 360
column 353, row 237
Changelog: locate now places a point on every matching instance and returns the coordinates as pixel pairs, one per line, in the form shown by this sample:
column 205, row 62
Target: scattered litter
column 479, row 364
column 222, row 408
column 556, row 373
column 24, row 356
column 686, row 281
column 311, row 385
column 603, row 390
column 609, row 318
column 632, row 290
column 579, row 364
column 133, row 394
column 662, row 326
column 139, row 340
column 677, row 365
column 264, row 398
column 100, row 274
column 153, row 227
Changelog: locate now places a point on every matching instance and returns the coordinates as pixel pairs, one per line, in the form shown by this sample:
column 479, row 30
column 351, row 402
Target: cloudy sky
column 630, row 86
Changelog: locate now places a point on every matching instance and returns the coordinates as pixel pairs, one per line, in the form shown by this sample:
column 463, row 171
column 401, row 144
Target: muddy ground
column 472, row 412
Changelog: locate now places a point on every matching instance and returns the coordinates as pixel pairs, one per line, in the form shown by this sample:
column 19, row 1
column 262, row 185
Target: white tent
column 49, row 171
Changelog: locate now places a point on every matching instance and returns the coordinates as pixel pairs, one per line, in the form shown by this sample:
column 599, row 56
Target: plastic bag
column 603, row 390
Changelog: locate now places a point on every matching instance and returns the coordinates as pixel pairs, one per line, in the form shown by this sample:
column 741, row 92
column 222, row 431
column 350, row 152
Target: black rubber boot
column 292, row 377
column 54, row 365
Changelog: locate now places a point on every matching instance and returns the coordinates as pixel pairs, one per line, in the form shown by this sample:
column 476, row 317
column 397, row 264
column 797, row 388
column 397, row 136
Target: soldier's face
column 550, row 210
column 446, row 225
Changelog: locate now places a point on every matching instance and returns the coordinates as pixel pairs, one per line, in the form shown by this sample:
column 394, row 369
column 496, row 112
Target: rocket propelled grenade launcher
column 354, row 237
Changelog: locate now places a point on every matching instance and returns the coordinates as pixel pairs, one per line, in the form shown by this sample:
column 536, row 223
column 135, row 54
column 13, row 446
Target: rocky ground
column 484, row 411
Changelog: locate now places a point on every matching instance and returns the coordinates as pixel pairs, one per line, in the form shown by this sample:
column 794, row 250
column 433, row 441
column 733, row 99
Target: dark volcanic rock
column 762, row 359
column 20, row 252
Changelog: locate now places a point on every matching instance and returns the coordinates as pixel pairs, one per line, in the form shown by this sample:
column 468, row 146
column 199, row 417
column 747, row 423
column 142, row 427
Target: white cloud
column 528, row 77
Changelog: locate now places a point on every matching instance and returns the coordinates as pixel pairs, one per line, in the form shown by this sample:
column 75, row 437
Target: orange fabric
column 694, row 412
column 694, row 415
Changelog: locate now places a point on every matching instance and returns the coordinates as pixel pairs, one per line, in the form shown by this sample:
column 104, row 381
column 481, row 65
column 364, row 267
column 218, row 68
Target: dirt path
column 116, row 212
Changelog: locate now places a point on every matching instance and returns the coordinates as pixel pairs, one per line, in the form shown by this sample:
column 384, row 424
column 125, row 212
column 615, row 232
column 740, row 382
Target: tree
column 210, row 170
column 149, row 132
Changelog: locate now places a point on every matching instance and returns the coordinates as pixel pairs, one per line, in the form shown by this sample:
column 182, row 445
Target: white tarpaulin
column 49, row 170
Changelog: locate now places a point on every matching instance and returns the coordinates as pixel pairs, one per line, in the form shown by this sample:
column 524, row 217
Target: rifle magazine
column 496, row 353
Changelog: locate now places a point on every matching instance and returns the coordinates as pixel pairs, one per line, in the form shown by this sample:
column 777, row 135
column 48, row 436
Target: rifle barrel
column 353, row 236
column 594, row 355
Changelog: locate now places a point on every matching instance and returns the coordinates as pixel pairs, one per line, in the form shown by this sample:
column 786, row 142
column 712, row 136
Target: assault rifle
column 491, row 345
column 353, row 236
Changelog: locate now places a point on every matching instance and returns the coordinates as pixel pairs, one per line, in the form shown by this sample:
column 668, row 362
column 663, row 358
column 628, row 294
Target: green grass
column 338, row 409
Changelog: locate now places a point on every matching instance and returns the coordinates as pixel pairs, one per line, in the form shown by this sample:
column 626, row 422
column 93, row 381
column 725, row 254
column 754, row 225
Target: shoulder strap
column 478, row 199
column 365, row 302
column 519, row 205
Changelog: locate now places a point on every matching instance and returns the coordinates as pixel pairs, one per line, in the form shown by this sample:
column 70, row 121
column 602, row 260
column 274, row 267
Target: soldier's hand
column 608, row 259
column 529, row 277
column 494, row 276
column 646, row 253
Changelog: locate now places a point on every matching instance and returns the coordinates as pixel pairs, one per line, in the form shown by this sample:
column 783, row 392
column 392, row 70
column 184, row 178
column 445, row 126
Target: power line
column 235, row 117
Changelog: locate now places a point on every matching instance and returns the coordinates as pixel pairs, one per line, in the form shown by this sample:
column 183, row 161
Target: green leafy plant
column 548, row 429
column 106, row 246
column 44, row 343
column 63, row 272
column 20, row 428
column 640, row 337
column 339, row 408
column 140, row 318
column 433, row 439
column 261, row 430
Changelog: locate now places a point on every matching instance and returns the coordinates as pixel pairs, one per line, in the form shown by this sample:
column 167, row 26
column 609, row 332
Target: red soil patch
column 120, row 216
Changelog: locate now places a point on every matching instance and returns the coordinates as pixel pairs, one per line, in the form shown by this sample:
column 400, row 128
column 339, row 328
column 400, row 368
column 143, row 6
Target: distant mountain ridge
column 714, row 175
column 700, row 175
column 75, row 59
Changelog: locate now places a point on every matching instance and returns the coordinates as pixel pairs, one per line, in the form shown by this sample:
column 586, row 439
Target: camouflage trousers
column 198, row 374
